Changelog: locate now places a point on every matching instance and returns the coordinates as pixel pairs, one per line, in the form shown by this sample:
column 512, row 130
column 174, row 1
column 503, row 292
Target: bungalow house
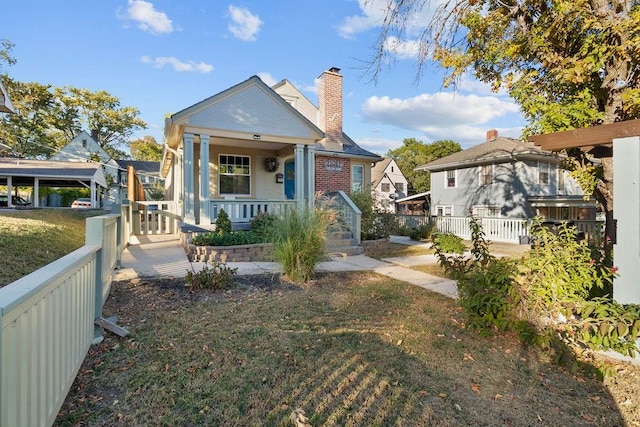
column 254, row 148
column 387, row 184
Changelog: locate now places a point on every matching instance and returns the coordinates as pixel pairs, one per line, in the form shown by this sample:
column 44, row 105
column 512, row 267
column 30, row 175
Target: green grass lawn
column 33, row 238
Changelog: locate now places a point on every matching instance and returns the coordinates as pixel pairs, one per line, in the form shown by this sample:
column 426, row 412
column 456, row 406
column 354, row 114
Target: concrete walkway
column 163, row 256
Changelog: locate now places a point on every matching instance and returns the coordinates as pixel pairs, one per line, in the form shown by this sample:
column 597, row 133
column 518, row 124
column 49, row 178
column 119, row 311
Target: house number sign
column 333, row 165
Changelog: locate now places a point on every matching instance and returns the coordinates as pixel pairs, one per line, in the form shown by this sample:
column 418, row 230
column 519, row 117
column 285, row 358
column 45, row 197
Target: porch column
column 300, row 175
column 9, row 191
column 205, row 217
column 626, row 212
column 310, row 176
column 94, row 195
column 187, row 179
column 36, row 192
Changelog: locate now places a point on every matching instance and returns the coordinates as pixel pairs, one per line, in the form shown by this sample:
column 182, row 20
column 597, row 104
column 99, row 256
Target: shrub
column 449, row 243
column 223, row 223
column 216, row 276
column 233, row 238
column 262, row 225
column 422, row 232
column 298, row 242
column 365, row 202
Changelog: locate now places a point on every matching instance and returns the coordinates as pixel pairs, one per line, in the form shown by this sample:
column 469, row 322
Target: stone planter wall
column 241, row 253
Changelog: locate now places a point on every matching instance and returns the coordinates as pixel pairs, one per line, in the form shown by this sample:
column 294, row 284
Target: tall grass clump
column 298, row 241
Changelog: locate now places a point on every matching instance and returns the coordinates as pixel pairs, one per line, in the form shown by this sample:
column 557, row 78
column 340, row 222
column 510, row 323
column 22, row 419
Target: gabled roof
column 82, row 148
column 148, row 168
column 497, row 150
column 250, row 107
column 54, row 173
column 5, row 102
column 378, row 171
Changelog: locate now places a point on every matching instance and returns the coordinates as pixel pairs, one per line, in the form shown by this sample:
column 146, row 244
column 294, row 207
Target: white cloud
column 147, row 17
column 442, row 115
column 402, row 49
column 161, row 61
column 244, row 25
column 268, row 79
column 371, row 17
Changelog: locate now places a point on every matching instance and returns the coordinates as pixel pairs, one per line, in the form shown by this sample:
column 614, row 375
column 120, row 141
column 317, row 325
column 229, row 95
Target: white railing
column 47, row 325
column 349, row 213
column 241, row 211
column 412, row 221
column 154, row 217
column 510, row 230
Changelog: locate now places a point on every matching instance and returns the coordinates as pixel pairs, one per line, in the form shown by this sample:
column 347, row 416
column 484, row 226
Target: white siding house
column 388, row 184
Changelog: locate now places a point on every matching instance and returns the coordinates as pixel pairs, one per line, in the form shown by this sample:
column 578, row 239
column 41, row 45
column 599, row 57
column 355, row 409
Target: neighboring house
column 85, row 148
column 507, row 178
column 416, row 204
column 5, row 101
column 148, row 172
column 387, row 184
column 252, row 148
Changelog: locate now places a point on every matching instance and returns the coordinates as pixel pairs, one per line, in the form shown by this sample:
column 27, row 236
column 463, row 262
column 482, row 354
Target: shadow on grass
column 350, row 349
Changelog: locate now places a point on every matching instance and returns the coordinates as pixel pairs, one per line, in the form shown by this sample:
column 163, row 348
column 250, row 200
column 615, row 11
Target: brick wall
column 333, row 174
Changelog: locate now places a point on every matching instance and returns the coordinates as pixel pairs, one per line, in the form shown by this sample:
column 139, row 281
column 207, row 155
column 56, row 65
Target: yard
column 349, row 349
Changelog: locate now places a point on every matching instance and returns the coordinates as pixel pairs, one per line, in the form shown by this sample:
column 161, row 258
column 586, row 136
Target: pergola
column 620, row 141
column 34, row 173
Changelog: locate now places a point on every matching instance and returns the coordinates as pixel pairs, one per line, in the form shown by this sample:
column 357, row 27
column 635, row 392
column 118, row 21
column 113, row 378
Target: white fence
column 47, row 325
column 154, row 217
column 244, row 210
column 510, row 230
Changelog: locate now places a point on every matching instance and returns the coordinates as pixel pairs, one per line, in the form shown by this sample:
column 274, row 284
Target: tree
column 48, row 118
column 6, row 47
column 414, row 153
column 569, row 64
column 146, row 149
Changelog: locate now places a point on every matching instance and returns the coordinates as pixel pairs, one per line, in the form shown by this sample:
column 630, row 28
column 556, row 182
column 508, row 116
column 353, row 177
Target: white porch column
column 300, row 175
column 310, row 176
column 94, row 195
column 626, row 212
column 36, row 192
column 205, row 217
column 187, row 142
column 9, row 191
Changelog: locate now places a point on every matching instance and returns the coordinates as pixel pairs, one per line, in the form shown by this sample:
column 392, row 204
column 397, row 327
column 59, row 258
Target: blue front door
column 289, row 180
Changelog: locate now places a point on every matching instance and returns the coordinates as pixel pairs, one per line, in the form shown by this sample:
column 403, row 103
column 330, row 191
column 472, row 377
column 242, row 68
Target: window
column 451, row 178
column 385, row 187
column 486, row 211
column 235, row 174
column 560, row 181
column 357, row 178
column 443, row 210
column 399, row 186
column 543, row 173
column 486, row 175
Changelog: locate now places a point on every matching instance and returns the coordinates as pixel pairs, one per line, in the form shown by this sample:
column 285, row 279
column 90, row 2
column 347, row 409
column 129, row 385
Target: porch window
column 385, row 187
column 543, row 173
column 235, row 174
column 357, row 178
column 450, row 178
column 486, row 175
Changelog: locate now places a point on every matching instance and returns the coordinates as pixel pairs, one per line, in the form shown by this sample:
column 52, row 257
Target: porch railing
column 154, row 217
column 47, row 325
column 413, row 221
column 347, row 211
column 241, row 211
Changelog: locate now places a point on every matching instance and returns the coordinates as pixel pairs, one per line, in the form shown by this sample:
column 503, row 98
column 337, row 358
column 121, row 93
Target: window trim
column 220, row 175
column 548, row 172
column 484, row 175
column 444, row 209
column 387, row 185
column 455, row 178
column 352, row 180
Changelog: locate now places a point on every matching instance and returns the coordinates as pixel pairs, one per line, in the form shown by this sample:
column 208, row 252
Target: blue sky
column 163, row 56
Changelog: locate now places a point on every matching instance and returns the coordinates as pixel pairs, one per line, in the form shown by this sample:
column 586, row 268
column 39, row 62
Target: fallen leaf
column 498, row 396
column 442, row 395
column 399, row 342
column 475, row 387
column 594, row 398
column 423, row 392
column 468, row 356
column 587, row 417
column 458, row 407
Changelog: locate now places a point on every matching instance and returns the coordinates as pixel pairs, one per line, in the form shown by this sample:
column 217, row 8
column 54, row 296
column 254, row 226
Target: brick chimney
column 330, row 106
column 492, row 134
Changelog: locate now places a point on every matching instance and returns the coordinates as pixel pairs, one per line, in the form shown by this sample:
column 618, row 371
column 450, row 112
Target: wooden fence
column 47, row 322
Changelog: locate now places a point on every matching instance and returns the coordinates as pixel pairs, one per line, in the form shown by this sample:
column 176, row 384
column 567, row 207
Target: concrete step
column 337, row 243
column 345, row 251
